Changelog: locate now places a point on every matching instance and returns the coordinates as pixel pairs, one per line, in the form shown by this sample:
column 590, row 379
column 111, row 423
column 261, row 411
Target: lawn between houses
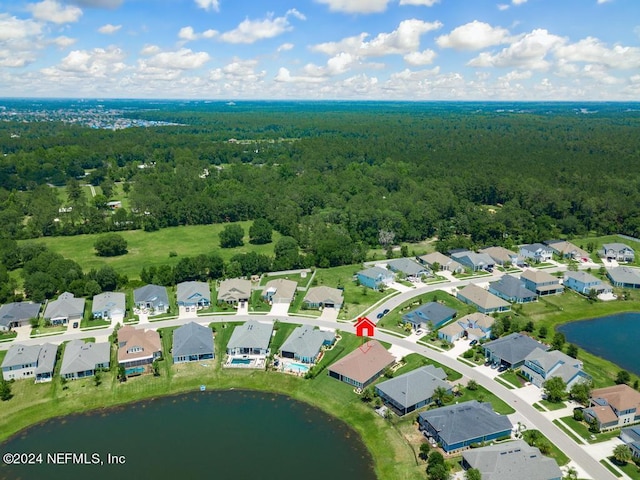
column 393, row 457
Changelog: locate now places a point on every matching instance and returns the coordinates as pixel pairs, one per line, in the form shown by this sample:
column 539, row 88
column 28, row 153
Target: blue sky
column 321, row 49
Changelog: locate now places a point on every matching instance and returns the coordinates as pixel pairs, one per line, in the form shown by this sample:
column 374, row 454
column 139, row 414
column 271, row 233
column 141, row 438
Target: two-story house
column 583, row 282
column 612, row 407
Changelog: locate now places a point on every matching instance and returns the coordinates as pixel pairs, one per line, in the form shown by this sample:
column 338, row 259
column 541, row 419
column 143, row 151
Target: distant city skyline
column 321, row 49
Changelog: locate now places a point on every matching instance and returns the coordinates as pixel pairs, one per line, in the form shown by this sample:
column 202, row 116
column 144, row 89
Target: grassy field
column 152, row 248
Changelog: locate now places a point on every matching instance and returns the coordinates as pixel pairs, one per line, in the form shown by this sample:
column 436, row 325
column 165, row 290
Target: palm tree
column 439, row 395
column 622, row 454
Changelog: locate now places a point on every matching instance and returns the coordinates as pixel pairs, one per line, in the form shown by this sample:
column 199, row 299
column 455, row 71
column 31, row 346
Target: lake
column 225, row 434
column 614, row 338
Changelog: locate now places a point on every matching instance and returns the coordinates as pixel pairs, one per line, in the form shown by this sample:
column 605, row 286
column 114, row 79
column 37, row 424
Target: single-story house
column 511, row 350
column 512, row 290
column 441, row 261
column 474, row 261
column 17, row 314
column 279, row 290
column 82, row 359
column 502, row 256
column 484, row 301
column 67, row 308
column 631, row 436
column 613, row 407
column 625, row 277
column 617, row 251
column 412, row 270
column 540, row 365
column 109, row 305
column 324, row 297
column 191, row 343
column 583, row 282
column 30, row 361
column 568, row 250
column 137, row 347
column 153, row 298
column 250, row 338
column 511, row 460
column 362, row 366
column 375, row 277
column 305, row 343
column 543, row 283
column 474, row 326
column 193, row 294
column 412, row 390
column 537, row 252
column 234, row 290
column 458, row 426
column 430, row 315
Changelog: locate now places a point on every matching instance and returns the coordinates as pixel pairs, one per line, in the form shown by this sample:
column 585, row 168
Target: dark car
column 385, row 311
column 473, row 342
column 75, row 324
column 502, row 368
column 380, row 315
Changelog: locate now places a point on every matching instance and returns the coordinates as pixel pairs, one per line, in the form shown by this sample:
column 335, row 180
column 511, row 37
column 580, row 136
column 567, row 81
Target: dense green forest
column 337, row 181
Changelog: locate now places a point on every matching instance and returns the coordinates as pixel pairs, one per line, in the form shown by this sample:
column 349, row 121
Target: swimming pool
column 134, row 371
column 296, row 367
column 240, row 361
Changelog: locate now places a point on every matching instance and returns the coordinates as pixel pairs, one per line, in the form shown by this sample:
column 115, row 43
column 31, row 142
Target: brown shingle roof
column 621, row 397
column 147, row 341
column 364, row 362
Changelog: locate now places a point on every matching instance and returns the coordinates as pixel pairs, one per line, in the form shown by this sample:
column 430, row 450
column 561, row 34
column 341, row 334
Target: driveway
column 400, row 287
column 24, row 333
column 329, row 314
column 281, row 309
column 243, row 308
column 187, row 312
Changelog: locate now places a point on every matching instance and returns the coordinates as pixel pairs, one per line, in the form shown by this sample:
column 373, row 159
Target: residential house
column 631, row 436
column 543, row 283
column 613, row 407
column 430, row 315
column 110, row 305
column 443, row 262
column 17, row 314
column 137, row 347
column 324, row 297
column 279, row 290
column 250, row 338
column 375, row 277
column 65, row 309
column 82, row 359
column 474, row 261
column 583, row 282
column 305, row 344
column 536, row 252
column 234, row 291
column 624, row 277
column 511, row 350
column 30, row 361
column 502, row 256
column 362, row 366
column 484, row 301
column 566, row 249
column 408, row 268
column 458, row 426
column 192, row 343
column 540, row 365
column 474, row 326
column 617, row 251
column 512, row 290
column 152, row 298
column 511, row 460
column 193, row 294
column 415, row 389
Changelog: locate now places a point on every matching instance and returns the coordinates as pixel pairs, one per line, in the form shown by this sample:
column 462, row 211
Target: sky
column 321, row 49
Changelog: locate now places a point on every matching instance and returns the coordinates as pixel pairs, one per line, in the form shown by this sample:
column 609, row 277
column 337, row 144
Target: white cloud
column 99, row 3
column 518, row 2
column 473, row 36
column 183, row 59
column 284, row 76
column 187, row 34
column 150, row 50
column 356, row 6
column 54, row 12
column 96, row 63
column 516, row 75
column 592, row 50
column 425, row 57
column 285, row 47
column 600, row 2
column 109, row 29
column 63, row 41
column 20, row 41
column 503, row 6
column 12, row 28
column 337, row 65
column 425, row 3
column 209, row 5
column 250, row 31
column 238, row 71
column 529, row 52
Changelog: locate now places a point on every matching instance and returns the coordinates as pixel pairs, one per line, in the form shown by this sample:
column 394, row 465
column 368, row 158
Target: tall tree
column 260, row 232
column 555, row 389
column 231, row 236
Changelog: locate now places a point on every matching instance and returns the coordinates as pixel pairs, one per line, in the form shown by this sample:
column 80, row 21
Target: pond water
column 613, row 338
column 226, row 434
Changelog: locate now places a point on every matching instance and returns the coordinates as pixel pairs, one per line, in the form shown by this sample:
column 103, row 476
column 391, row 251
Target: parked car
column 419, row 332
column 75, row 324
column 385, row 311
column 502, row 368
column 380, row 315
column 473, row 342
column 494, row 365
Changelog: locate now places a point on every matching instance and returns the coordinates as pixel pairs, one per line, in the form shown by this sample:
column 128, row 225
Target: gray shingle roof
column 432, row 311
column 43, row 355
column 512, row 460
column 513, row 348
column 324, row 295
column 466, row 421
column 251, row 334
column 192, row 339
column 499, row 254
column 616, row 247
column 534, row 247
column 442, row 260
column 624, row 275
column 477, row 260
column 17, row 312
column 153, row 294
column 539, row 276
column 81, row 357
column 407, row 266
column 582, row 277
column 511, row 287
column 281, row 289
column 65, row 306
column 109, row 301
column 306, row 342
column 192, row 292
column 482, row 297
column 374, row 272
column 415, row 386
column 234, row 289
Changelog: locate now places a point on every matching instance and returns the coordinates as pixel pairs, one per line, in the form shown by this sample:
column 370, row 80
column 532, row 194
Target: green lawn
column 631, row 469
column 597, row 242
column 511, row 377
column 583, row 430
column 152, row 248
column 555, row 453
column 552, row 405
